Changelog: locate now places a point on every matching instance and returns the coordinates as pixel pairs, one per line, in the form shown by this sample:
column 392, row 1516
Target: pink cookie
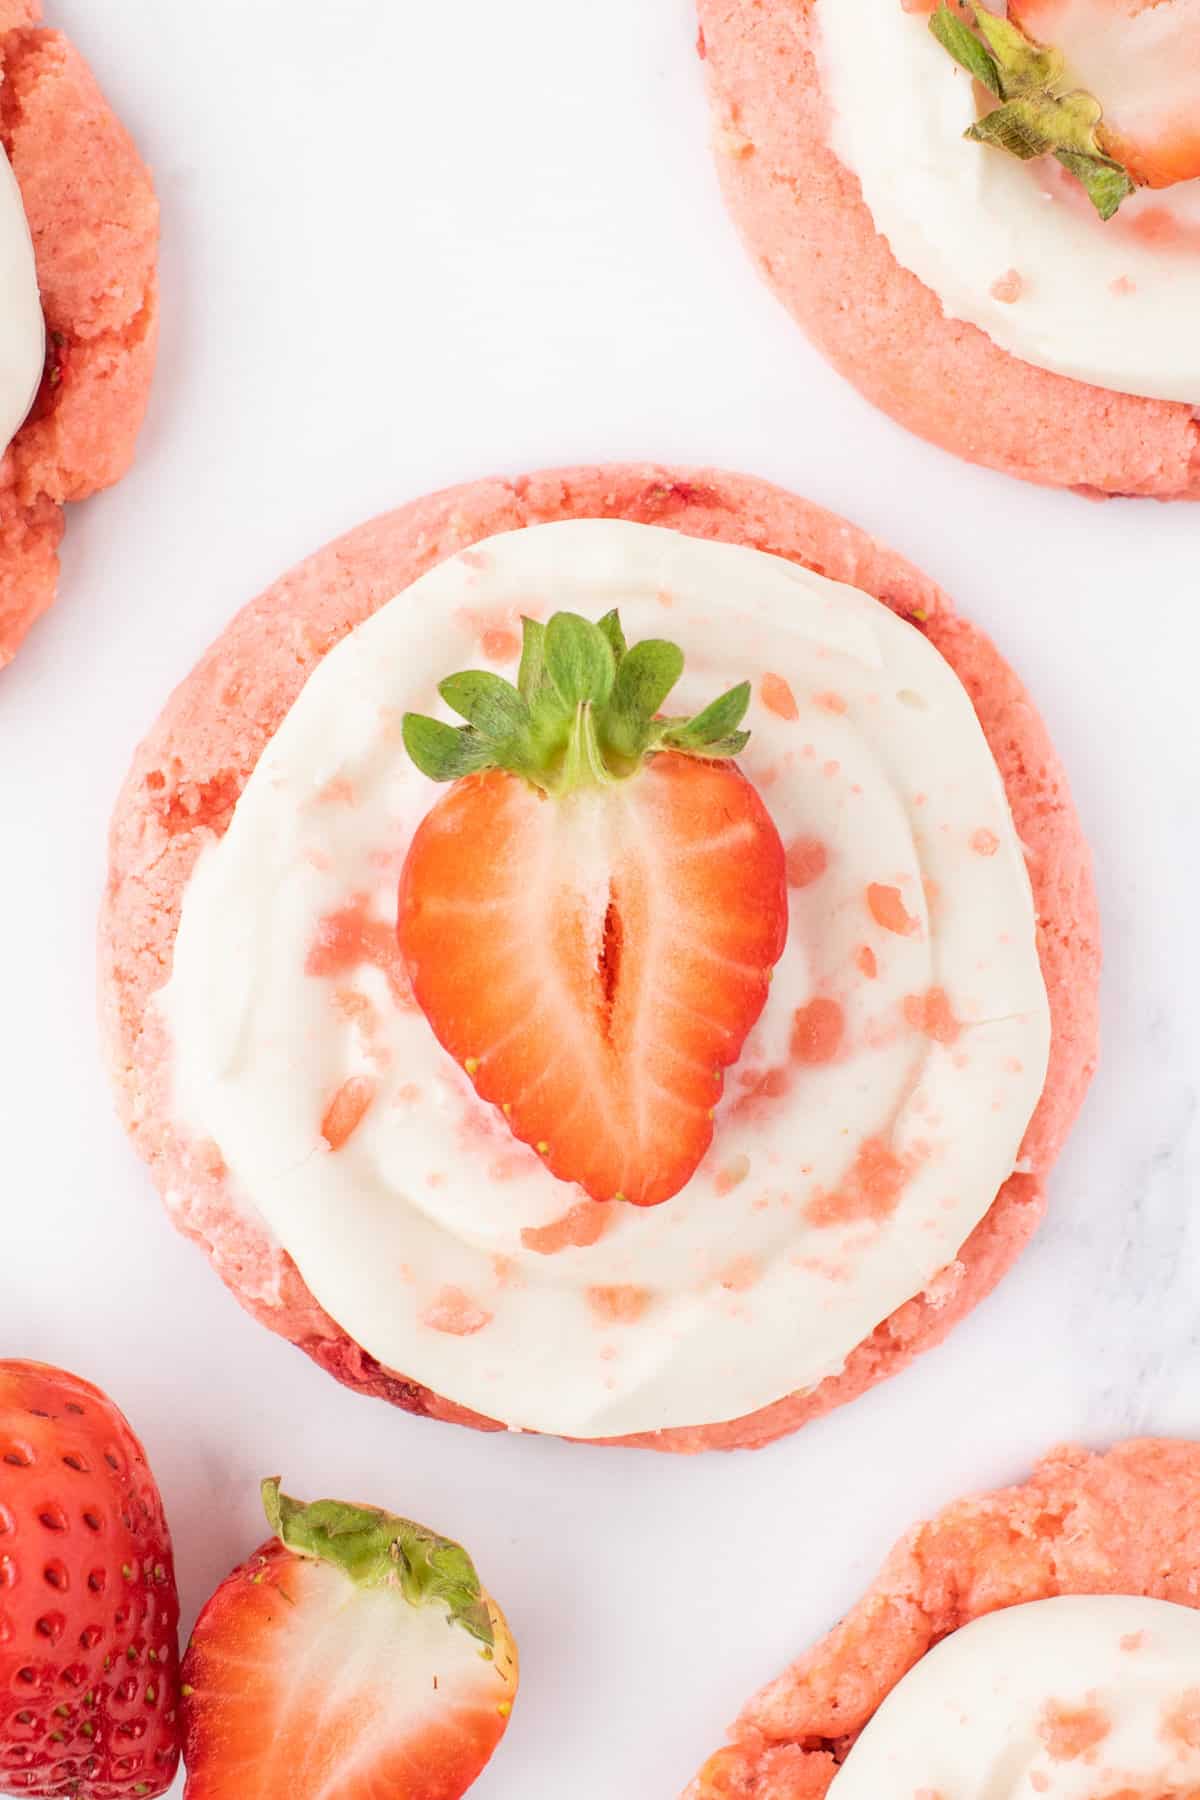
column 1124, row 1523
column 812, row 237
column 188, row 774
column 94, row 219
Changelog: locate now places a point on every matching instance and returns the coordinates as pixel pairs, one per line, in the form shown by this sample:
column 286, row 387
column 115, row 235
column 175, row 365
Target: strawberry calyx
column 376, row 1549
column 584, row 711
column 1039, row 113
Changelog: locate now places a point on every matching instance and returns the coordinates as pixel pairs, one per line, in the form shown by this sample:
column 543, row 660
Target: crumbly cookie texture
column 93, row 215
column 186, row 778
column 812, row 238
column 1123, row 1523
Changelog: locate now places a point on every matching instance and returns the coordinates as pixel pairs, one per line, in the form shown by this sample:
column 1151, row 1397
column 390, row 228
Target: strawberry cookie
column 1043, row 1640
column 608, row 954
column 988, row 221
column 78, row 303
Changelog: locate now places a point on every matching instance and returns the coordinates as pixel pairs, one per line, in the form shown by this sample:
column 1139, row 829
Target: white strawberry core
column 878, row 1107
column 1015, row 248
column 1085, row 1697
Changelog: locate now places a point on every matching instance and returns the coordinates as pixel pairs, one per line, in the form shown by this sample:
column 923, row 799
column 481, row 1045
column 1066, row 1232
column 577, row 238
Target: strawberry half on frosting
column 591, row 915
column 1110, row 88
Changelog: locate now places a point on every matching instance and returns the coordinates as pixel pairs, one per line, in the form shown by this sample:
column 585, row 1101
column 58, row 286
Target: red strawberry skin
column 291, row 1692
column 89, row 1616
column 595, row 962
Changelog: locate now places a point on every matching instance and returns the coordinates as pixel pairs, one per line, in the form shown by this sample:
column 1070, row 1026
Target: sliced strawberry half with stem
column 1141, row 59
column 355, row 1656
column 591, row 915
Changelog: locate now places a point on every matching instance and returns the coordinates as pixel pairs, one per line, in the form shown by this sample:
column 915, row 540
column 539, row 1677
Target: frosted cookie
column 980, row 299
column 78, row 303
column 874, row 1087
column 1041, row 1640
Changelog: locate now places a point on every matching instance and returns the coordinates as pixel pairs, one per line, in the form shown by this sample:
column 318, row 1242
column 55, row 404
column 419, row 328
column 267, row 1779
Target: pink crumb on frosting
column 778, row 697
column 871, row 1190
column 984, row 842
column 807, row 861
column 931, row 1013
column 1181, row 1724
column 351, row 939
column 817, row 1031
column 455, row 1313
column 1008, row 287
column 578, row 1229
column 347, row 1110
column 1069, row 1732
column 622, row 1305
column 887, row 908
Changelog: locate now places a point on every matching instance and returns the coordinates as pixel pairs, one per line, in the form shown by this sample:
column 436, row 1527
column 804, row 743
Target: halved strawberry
column 1141, row 59
column 591, row 915
column 1041, row 110
column 89, row 1659
column 354, row 1657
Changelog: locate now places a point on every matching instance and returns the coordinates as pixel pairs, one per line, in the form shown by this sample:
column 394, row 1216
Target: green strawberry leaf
column 579, row 660
column 1106, row 182
column 956, row 36
column 712, row 727
column 378, row 1550
column 610, row 625
column 488, row 702
column 533, row 659
column 440, row 751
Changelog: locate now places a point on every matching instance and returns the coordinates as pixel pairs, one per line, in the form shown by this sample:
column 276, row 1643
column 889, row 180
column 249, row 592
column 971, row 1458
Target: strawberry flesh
column 88, row 1610
column 595, row 962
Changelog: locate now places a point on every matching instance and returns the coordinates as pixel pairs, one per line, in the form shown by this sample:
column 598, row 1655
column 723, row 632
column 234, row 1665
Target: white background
column 407, row 244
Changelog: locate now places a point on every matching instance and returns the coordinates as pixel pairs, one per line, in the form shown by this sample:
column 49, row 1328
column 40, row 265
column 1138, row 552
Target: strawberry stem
column 1039, row 114
column 585, row 711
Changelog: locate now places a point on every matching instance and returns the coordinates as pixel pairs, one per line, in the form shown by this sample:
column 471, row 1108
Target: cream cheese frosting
column 878, row 1107
column 1005, row 245
column 22, row 326
column 1084, row 1697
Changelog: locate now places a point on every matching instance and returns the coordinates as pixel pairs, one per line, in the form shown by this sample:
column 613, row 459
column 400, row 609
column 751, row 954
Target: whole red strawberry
column 356, row 1656
column 89, row 1616
column 591, row 915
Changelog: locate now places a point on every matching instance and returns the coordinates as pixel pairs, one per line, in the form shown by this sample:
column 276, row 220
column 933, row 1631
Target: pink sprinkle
column 1009, row 287
column 346, row 1111
column 778, row 697
column 455, row 1313
column 807, row 861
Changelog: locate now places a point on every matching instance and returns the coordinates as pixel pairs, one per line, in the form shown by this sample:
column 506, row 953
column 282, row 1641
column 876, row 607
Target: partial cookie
column 1125, row 1523
column 187, row 778
column 815, row 242
column 93, row 215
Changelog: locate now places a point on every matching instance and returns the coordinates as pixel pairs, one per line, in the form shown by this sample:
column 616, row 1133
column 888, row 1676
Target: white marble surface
column 408, row 244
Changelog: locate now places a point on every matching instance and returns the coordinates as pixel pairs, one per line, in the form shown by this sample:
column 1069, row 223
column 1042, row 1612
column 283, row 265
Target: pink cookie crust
column 93, row 215
column 803, row 218
column 1124, row 1523
column 187, row 776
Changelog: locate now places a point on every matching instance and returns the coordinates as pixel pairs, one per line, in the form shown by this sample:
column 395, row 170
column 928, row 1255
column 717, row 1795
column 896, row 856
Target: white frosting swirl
column 22, row 325
column 1042, row 275
column 1085, row 1697
column 855, row 1151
